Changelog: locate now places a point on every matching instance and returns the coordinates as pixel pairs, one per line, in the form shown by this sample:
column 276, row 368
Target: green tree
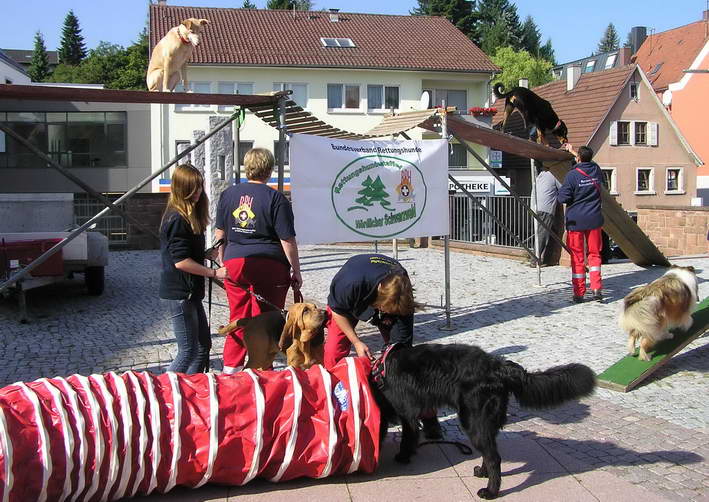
column 39, row 66
column 546, row 52
column 422, row 9
column 136, row 66
column 531, row 37
column 460, row 13
column 248, row 5
column 72, row 49
column 288, row 4
column 610, row 40
column 628, row 40
column 494, row 17
column 520, row 64
column 373, row 191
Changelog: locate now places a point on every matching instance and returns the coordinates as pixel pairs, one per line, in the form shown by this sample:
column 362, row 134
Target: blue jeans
column 194, row 340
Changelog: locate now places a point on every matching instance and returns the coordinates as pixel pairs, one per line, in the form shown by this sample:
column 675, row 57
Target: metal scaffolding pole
column 72, row 235
column 446, row 238
column 282, row 146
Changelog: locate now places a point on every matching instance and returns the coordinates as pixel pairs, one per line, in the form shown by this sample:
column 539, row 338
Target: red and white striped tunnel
column 104, row 437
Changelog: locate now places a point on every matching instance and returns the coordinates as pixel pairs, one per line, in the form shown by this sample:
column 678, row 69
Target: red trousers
column 264, row 276
column 593, row 244
column 337, row 345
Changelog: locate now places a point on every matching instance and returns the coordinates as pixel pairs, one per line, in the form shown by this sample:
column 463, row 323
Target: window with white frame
column 609, row 180
column 644, row 180
column 610, row 61
column 452, row 97
column 337, row 42
column 300, row 91
column 196, row 87
column 382, row 97
column 674, row 180
column 457, row 156
column 244, row 147
column 233, row 88
column 590, row 65
column 633, row 132
column 343, row 97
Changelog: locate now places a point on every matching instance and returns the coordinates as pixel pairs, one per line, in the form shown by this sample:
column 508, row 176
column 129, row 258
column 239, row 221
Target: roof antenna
column 294, row 8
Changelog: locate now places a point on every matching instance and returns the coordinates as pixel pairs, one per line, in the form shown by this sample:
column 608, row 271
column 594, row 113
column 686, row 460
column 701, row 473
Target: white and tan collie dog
column 651, row 311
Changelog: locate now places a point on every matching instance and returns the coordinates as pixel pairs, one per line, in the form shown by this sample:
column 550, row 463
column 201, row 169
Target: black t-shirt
column 354, row 289
column 255, row 218
column 178, row 242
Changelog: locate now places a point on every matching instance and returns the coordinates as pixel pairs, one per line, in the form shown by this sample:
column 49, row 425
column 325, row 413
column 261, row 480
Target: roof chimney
column 524, row 82
column 573, row 74
column 638, row 34
column 705, row 15
column 334, row 16
column 624, row 54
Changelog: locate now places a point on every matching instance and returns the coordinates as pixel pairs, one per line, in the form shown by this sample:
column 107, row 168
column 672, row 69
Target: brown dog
column 168, row 63
column 300, row 337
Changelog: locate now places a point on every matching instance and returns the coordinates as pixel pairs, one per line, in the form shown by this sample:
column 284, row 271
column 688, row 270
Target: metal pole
column 504, row 184
column 394, row 249
column 446, row 238
column 535, row 208
column 237, row 153
column 39, row 153
column 72, row 235
column 281, row 140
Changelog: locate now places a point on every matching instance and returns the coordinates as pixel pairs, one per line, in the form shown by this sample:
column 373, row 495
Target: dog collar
column 379, row 366
column 184, row 40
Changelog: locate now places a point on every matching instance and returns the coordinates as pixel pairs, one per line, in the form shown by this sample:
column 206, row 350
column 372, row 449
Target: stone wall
column 147, row 208
column 676, row 230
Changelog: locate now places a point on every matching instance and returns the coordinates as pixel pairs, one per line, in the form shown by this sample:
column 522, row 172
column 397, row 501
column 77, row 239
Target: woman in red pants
column 261, row 253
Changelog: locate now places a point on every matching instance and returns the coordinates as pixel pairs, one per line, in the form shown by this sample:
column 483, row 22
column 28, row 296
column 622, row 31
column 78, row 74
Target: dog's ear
column 202, row 22
column 690, row 268
column 188, row 23
column 291, row 331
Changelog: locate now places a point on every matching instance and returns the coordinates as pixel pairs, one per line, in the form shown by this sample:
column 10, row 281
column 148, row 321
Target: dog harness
column 379, row 368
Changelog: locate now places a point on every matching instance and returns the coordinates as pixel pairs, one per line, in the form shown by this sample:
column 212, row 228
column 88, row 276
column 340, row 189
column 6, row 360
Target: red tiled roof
column 582, row 108
column 255, row 37
column 674, row 50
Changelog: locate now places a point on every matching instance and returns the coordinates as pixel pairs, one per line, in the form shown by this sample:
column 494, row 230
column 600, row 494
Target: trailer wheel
column 95, row 280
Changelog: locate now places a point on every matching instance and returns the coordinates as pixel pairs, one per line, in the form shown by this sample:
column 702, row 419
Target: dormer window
column 337, row 42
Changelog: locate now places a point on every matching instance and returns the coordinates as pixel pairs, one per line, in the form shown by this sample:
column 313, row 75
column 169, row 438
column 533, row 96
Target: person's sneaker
column 577, row 299
column 431, row 428
column 597, row 295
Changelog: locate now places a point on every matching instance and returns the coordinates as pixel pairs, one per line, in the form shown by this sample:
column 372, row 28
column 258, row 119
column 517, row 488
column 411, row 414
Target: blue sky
column 574, row 27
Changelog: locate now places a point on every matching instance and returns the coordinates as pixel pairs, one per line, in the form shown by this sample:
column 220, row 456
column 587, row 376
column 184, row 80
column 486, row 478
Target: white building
column 347, row 69
column 11, row 72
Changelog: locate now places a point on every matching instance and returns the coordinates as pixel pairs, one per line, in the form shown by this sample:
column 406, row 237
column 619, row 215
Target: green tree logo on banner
column 373, row 191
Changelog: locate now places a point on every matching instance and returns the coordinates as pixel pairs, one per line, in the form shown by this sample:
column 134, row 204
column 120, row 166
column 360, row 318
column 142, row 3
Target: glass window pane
column 56, row 117
column 18, row 154
column 244, row 147
column 277, row 155
column 334, row 95
column 201, row 87
column 88, row 117
column 457, row 99
column 242, row 88
column 391, row 99
column 225, row 88
column 457, row 157
column 116, row 117
column 25, row 117
column 300, row 93
column 278, row 86
column 374, row 97
column 351, row 96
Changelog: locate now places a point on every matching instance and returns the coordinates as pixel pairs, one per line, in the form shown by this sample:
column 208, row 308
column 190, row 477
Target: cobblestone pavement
column 656, row 435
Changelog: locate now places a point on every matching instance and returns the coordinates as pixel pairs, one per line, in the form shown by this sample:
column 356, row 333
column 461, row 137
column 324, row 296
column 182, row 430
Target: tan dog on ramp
column 168, row 63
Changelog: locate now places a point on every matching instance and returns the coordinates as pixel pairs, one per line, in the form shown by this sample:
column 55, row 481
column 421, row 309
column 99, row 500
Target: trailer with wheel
column 87, row 254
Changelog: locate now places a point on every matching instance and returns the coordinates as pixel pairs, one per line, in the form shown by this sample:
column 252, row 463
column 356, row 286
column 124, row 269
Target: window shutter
column 652, row 133
column 631, row 133
column 613, row 136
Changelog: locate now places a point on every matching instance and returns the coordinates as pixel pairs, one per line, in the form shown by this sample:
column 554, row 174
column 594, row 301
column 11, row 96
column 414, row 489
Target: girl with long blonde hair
column 182, row 250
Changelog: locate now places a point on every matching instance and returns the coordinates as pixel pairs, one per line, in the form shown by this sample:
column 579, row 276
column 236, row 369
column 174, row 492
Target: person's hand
column 567, row 147
column 221, row 274
column 296, row 280
column 362, row 350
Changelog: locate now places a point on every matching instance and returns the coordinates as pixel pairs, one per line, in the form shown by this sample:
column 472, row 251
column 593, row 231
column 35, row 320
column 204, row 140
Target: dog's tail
column 549, row 388
column 499, row 91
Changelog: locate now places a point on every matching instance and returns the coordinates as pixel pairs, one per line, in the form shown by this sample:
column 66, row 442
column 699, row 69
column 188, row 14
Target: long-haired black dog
column 477, row 385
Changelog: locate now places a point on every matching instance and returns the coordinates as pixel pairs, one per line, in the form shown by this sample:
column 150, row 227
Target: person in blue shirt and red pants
column 581, row 192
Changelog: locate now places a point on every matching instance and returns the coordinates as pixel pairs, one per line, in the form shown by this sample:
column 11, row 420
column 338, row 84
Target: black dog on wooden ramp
column 475, row 384
column 535, row 111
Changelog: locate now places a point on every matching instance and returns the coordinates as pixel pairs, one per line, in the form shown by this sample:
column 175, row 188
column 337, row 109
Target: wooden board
column 630, row 371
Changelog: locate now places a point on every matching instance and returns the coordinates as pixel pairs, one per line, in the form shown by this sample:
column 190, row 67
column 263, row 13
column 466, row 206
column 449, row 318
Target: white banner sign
column 350, row 191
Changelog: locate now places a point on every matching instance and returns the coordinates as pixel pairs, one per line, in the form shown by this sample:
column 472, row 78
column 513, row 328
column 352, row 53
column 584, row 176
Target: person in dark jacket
column 182, row 277
column 374, row 288
column 581, row 192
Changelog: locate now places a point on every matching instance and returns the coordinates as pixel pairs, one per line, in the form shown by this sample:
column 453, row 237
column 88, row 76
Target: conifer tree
column 72, row 49
column 531, row 37
column 610, row 40
column 248, row 5
column 39, row 66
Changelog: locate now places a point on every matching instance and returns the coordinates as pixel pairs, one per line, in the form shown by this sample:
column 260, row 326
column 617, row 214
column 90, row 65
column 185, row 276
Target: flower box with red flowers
column 478, row 111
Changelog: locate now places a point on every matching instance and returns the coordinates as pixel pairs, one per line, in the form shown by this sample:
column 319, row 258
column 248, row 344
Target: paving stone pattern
column 656, row 436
